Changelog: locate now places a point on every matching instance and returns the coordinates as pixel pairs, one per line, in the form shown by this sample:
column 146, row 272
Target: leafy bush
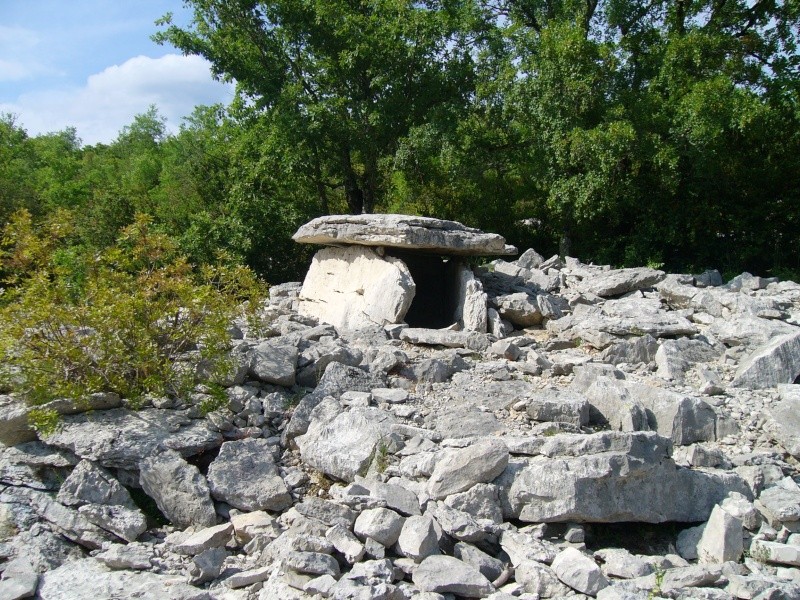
column 135, row 319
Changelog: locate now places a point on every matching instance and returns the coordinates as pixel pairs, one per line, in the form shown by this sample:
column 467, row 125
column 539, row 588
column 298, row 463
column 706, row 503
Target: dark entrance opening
column 437, row 297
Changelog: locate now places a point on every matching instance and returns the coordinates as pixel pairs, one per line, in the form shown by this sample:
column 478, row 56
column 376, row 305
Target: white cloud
column 17, row 49
column 110, row 99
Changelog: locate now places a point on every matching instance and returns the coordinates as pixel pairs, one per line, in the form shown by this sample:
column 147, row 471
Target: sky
column 90, row 64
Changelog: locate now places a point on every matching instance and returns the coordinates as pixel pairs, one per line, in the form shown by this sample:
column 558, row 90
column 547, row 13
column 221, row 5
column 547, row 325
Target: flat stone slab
column 403, row 231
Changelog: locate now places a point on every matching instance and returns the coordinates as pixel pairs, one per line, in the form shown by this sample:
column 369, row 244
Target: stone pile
column 615, row 433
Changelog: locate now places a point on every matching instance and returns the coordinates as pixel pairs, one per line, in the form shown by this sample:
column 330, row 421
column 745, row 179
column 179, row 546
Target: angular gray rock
column 622, row 318
column 537, row 578
column 216, row 536
column 126, row 523
column 460, row 469
column 610, row 477
column 722, row 538
column 489, row 567
column 121, row 438
column 179, row 490
column 380, row 524
column 89, row 578
column 312, row 563
column 560, row 406
column 579, row 572
column 402, row 231
column 618, row 562
column 345, row 446
column 397, row 497
column 245, row 476
column 613, row 405
column 346, row 543
column 675, row 357
column 274, row 362
column 89, row 483
column 786, row 415
column 445, row 574
column 445, row 337
column 684, row 419
column 336, row 380
column 776, row 362
column 418, row 538
column 616, row 282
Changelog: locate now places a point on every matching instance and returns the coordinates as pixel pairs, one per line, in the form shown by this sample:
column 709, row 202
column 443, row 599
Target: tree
column 342, row 80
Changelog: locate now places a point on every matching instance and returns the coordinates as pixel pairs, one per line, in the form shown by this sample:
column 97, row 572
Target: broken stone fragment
column 579, row 572
column 445, row 574
column 418, row 538
column 380, row 524
column 179, row 489
column 776, row 362
column 462, row 468
column 722, row 538
column 345, row 446
column 245, row 476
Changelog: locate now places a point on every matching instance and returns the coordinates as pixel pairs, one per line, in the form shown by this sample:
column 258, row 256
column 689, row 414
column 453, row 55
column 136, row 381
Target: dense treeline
column 621, row 131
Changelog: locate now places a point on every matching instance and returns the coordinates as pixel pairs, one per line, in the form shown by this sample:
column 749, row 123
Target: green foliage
column 340, row 82
column 44, row 420
column 619, row 131
column 214, row 399
column 134, row 319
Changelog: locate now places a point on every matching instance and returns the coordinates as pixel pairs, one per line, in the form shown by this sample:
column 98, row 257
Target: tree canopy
column 621, row 131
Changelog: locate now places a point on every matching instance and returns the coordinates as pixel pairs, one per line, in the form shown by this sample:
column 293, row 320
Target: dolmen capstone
column 382, row 269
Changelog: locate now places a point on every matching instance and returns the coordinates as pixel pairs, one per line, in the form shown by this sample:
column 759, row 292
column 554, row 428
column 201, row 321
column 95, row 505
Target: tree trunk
column 354, row 194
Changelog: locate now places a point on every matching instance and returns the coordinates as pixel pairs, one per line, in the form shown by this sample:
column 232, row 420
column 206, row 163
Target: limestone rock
column 336, row 380
column 618, row 562
column 274, row 362
column 560, row 406
column 418, row 538
column 776, row 362
column 91, row 484
column 616, row 282
column 346, row 543
column 489, row 567
column 356, row 287
column 462, row 468
column 402, row 231
column 121, row 438
column 445, row 574
column 472, row 302
column 722, row 538
column 675, row 357
column 579, row 572
column 786, row 415
column 775, row 552
column 245, row 476
column 441, row 337
column 127, row 556
column 345, row 446
column 380, row 524
column 124, row 522
column 537, row 578
column 88, row 578
column 633, row 479
column 178, row 488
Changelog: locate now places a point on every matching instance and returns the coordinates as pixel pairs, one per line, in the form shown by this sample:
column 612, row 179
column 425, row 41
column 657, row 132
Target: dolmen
column 384, row 269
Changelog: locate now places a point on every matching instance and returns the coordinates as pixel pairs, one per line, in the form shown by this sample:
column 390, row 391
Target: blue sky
column 90, row 64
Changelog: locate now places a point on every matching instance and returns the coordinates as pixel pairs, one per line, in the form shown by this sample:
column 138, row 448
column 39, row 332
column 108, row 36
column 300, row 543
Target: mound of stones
column 612, row 434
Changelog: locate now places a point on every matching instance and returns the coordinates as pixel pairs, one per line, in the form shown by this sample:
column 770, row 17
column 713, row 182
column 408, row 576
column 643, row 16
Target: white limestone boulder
column 355, row 287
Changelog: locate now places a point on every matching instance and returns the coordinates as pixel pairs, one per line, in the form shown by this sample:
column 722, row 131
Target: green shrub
column 134, row 319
